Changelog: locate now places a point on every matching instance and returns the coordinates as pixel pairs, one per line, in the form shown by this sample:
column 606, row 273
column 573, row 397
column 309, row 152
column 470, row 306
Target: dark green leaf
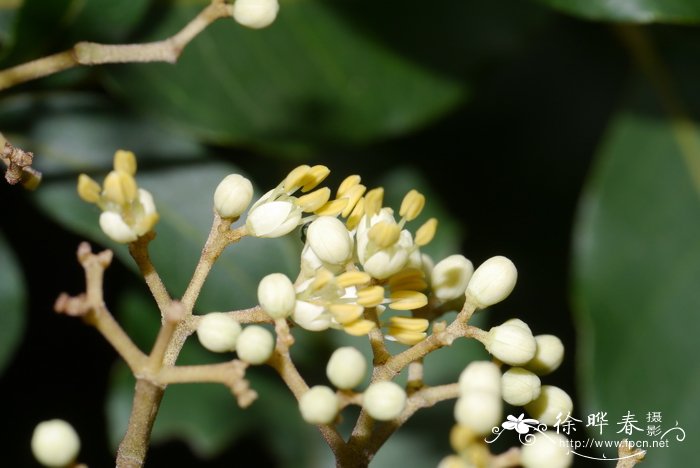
column 71, row 133
column 308, row 79
column 637, row 266
column 638, row 11
column 43, row 27
column 12, row 303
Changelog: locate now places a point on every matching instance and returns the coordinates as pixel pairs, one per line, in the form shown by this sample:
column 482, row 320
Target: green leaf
column 206, row 416
column 12, row 303
column 43, row 27
column 79, row 132
column 638, row 11
column 309, row 79
column 637, row 267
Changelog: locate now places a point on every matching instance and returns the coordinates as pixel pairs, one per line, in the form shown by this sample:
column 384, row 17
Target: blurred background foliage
column 556, row 132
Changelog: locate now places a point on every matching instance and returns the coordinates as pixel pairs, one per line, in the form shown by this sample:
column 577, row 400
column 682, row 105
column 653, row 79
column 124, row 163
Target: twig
column 629, row 455
column 92, row 53
column 90, row 306
column 139, row 252
column 19, row 165
column 231, row 374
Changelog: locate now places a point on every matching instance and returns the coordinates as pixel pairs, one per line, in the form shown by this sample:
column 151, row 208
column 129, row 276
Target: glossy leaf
column 637, row 265
column 71, row 133
column 308, row 79
column 638, row 11
column 12, row 303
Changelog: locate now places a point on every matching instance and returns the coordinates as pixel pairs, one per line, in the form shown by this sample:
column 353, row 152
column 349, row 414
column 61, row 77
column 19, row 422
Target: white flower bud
column 493, row 281
column 319, row 405
column 346, row 368
column 547, row 450
column 384, row 401
column 255, row 14
column 311, row 316
column 255, row 344
column 450, row 277
column 330, row 240
column 549, row 355
column 519, row 386
column 511, row 343
column 232, row 196
column 277, row 296
column 55, row 443
column 218, row 332
column 552, row 402
column 479, row 411
column 273, row 219
column 116, row 228
column 481, row 376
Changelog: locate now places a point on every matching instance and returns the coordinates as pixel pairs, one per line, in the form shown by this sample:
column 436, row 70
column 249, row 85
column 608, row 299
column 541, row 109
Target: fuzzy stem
column 92, row 53
column 139, row 252
column 133, row 447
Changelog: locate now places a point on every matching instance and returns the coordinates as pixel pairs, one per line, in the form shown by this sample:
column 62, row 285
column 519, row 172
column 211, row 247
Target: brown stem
column 139, row 252
column 92, row 53
column 219, row 237
column 133, row 447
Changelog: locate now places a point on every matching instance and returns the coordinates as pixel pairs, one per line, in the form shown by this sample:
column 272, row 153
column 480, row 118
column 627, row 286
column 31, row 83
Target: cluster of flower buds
column 221, row 333
column 347, row 369
column 128, row 212
column 356, row 255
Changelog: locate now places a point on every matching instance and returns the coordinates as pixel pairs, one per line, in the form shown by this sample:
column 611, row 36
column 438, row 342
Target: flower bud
column 277, row 296
column 319, row 405
column 480, row 376
column 330, row 240
column 384, row 401
column 55, row 443
column 232, row 196
column 218, row 332
column 346, row 368
column 255, row 344
column 493, row 281
column 553, row 402
column 511, row 343
column 450, row 277
column 273, row 219
column 519, row 386
column 255, row 14
column 479, row 411
column 116, row 228
column 547, row 450
column 549, row 355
